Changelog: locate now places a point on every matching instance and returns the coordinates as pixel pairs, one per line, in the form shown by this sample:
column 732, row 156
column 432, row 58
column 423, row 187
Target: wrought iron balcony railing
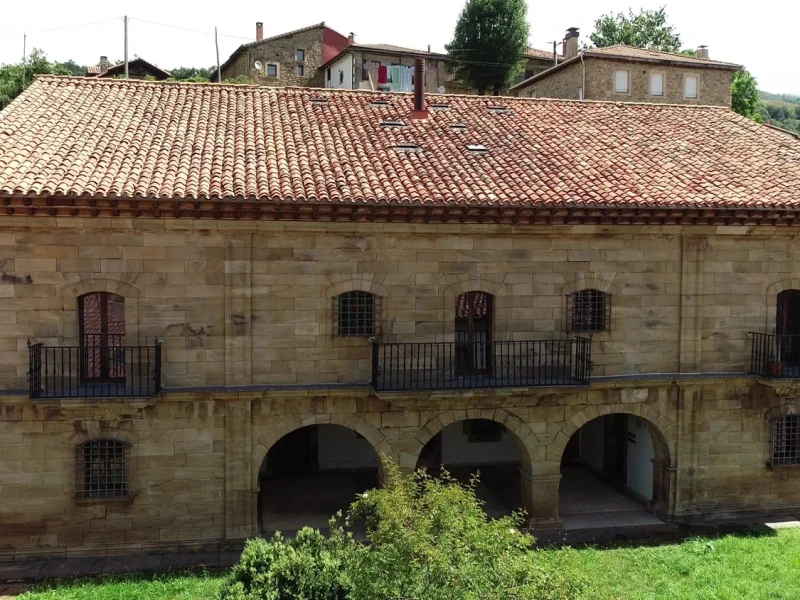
column 103, row 371
column 468, row 365
column 775, row 356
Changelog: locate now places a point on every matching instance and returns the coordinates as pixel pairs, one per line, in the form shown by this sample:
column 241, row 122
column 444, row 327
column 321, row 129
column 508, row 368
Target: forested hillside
column 780, row 110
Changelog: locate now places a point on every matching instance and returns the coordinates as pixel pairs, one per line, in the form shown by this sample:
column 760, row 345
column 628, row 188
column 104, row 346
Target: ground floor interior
column 606, row 472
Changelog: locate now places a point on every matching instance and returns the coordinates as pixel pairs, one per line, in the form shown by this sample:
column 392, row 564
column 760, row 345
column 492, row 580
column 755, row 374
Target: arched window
column 786, row 440
column 101, row 470
column 357, row 313
column 102, row 331
column 588, row 311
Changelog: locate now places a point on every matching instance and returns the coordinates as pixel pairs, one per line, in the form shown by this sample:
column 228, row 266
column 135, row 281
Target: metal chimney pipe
column 419, row 111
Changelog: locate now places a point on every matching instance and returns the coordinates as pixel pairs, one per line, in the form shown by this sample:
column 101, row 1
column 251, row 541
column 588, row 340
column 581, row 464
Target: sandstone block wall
column 194, row 457
column 281, row 51
column 713, row 85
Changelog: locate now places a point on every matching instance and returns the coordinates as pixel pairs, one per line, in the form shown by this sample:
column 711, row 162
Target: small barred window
column 786, row 440
column 101, row 469
column 588, row 311
column 357, row 313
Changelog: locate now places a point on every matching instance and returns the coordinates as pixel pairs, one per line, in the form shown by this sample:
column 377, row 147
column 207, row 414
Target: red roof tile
column 118, row 138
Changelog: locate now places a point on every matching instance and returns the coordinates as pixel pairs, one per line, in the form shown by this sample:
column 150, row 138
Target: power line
column 9, row 35
column 210, row 33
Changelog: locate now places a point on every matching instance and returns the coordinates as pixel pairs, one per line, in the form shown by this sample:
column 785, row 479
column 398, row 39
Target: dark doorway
column 312, row 472
column 788, row 327
column 473, row 332
column 480, row 446
column 102, row 337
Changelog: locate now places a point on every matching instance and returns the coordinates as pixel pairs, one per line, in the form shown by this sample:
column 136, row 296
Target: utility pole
column 125, row 19
column 24, row 58
column 216, row 43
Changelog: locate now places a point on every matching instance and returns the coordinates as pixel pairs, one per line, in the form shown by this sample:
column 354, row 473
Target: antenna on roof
column 216, row 43
column 125, row 20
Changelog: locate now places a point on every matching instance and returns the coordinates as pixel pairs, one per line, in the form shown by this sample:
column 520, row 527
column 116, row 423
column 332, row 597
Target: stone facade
column 713, row 84
column 282, row 52
column 250, row 305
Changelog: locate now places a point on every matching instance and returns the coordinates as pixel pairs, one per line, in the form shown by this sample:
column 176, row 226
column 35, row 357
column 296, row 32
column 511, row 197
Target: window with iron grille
column 588, row 311
column 357, row 313
column 101, row 469
column 786, row 440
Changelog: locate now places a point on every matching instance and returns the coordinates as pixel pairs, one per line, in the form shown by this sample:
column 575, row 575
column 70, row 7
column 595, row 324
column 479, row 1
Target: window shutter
column 690, row 87
column 621, row 82
column 656, row 84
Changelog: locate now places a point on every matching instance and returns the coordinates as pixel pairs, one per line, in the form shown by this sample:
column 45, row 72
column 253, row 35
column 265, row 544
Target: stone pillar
column 241, row 520
column 238, row 341
column 540, row 499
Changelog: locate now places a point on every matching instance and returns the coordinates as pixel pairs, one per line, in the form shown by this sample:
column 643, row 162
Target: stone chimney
column 103, row 65
column 259, row 31
column 351, row 39
column 702, row 52
column 419, row 111
column 571, row 42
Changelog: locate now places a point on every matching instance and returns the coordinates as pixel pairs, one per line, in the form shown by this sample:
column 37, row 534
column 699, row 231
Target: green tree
column 647, row 29
column 191, row 74
column 744, row 95
column 489, row 42
column 15, row 77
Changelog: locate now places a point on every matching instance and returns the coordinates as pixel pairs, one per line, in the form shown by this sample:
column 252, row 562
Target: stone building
column 291, row 58
column 625, row 74
column 585, row 300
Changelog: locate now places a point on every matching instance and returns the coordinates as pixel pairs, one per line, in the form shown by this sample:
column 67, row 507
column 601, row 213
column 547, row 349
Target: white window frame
column 663, row 80
column 627, row 81
column 686, row 78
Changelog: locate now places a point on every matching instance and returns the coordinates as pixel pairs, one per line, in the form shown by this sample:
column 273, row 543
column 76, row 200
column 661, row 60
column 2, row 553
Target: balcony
column 472, row 365
column 102, row 371
column 775, row 356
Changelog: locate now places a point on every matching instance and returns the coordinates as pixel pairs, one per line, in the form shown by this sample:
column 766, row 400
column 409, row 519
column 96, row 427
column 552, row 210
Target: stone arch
column 489, row 284
column 79, row 284
column 595, row 281
column 371, row 283
column 272, row 434
column 526, row 441
column 771, row 300
column 662, row 431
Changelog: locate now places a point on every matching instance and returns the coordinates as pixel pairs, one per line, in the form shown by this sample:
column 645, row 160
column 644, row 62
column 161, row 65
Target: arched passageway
column 612, row 474
column 312, row 472
column 486, row 446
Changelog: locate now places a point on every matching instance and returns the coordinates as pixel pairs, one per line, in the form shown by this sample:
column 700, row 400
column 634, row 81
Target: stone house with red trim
column 219, row 304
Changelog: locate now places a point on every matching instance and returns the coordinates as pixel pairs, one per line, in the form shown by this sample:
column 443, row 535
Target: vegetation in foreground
column 429, row 539
column 728, row 568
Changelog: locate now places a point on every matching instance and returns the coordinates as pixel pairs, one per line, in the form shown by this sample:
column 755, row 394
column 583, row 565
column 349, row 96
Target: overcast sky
column 762, row 40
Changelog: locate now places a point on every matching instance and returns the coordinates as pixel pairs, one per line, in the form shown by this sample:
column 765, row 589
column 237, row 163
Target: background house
column 138, row 68
column 291, row 58
column 625, row 74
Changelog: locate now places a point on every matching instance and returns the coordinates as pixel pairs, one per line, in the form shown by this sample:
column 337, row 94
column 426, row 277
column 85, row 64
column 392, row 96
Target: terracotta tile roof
column 625, row 51
column 122, row 138
column 543, row 54
column 94, row 70
column 629, row 53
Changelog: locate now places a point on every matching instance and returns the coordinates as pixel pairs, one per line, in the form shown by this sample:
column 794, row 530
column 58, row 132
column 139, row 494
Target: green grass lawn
column 766, row 567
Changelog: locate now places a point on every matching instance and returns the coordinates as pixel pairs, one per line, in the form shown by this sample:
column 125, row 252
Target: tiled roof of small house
column 80, row 137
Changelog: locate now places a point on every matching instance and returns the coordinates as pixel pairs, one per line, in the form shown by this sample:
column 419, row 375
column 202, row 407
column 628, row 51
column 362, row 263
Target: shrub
column 430, row 539
column 309, row 567
column 427, row 539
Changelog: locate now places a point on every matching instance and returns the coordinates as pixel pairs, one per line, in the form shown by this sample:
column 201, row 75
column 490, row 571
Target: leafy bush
column 308, row 567
column 428, row 538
